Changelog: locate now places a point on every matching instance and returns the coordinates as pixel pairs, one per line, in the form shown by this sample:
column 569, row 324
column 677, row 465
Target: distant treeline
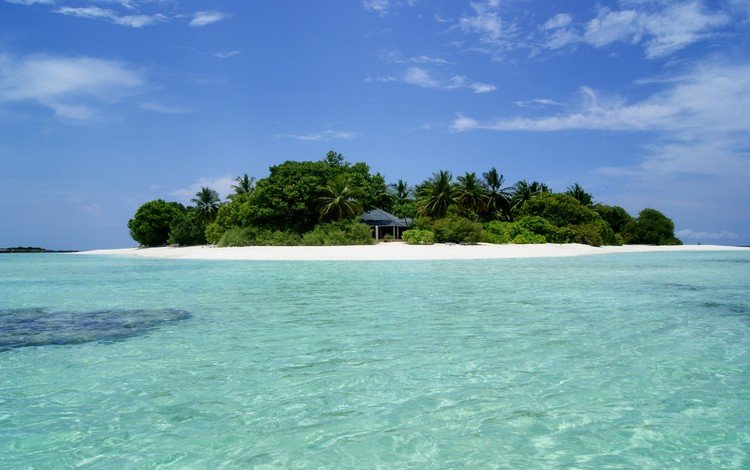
column 32, row 249
column 321, row 202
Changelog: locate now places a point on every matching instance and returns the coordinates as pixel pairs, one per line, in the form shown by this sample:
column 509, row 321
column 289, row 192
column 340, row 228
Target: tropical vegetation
column 321, row 202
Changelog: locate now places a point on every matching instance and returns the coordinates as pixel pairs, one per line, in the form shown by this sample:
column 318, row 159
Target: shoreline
column 393, row 251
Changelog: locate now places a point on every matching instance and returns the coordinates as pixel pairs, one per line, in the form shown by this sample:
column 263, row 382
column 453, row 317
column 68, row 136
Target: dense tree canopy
column 150, row 224
column 651, row 227
column 320, row 202
column 615, row 216
column 436, row 195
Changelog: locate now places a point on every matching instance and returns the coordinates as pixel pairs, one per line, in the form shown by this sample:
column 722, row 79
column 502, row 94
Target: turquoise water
column 608, row 361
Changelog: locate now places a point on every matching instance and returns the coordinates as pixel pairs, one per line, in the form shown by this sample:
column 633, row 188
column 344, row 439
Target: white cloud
column 537, row 103
column 227, row 54
column 661, row 27
column 320, row 136
column 711, row 97
column 73, row 87
column 222, row 185
column 423, row 59
column 700, row 123
column 690, row 234
column 396, row 57
column 203, row 18
column 485, row 22
column 561, row 20
column 378, row 6
column 132, row 21
column 163, row 109
column 482, row 87
column 30, row 2
column 421, row 77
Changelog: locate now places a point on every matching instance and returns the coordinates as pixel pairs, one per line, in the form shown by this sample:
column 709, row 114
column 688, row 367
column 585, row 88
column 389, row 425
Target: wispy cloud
column 495, row 34
column 378, row 6
column 221, row 184
column 396, row 57
column 227, row 54
column 31, row 2
column 320, row 136
column 421, row 77
column 73, row 87
column 690, row 234
column 203, row 18
column 700, row 120
column 537, row 103
column 163, row 109
column 662, row 28
column 708, row 97
column 132, row 21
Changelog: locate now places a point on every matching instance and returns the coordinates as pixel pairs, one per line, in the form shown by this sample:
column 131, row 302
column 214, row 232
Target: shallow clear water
column 608, row 361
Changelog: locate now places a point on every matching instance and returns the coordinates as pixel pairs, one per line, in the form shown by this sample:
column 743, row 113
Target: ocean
column 621, row 361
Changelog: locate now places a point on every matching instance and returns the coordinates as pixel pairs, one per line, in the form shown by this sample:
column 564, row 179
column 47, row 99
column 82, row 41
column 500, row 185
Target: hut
column 385, row 223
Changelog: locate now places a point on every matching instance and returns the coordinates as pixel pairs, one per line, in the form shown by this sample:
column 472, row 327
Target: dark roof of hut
column 381, row 218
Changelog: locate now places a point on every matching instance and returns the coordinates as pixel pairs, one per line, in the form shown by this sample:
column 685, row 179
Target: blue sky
column 106, row 104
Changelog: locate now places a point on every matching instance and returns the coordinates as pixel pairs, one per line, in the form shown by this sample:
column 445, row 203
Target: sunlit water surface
column 607, row 361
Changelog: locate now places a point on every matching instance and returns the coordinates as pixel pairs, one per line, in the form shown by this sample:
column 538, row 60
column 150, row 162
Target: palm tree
column 523, row 191
column 245, row 185
column 471, row 193
column 435, row 195
column 340, row 200
column 581, row 195
column 401, row 191
column 498, row 197
column 206, row 204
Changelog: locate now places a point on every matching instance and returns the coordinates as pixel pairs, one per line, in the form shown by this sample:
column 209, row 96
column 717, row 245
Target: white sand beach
column 394, row 251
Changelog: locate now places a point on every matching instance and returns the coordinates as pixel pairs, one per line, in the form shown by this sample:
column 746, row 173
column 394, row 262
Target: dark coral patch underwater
column 39, row 327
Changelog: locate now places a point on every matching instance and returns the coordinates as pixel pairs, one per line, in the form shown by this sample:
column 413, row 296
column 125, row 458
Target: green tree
column 339, row 200
column 456, row 229
column 288, row 199
column 580, row 194
column 150, row 224
column 651, row 227
column 560, row 209
column 615, row 216
column 498, row 197
column 334, row 158
column 245, row 185
column 401, row 192
column 435, row 195
column 187, row 230
column 471, row 194
column 206, row 204
column 523, row 191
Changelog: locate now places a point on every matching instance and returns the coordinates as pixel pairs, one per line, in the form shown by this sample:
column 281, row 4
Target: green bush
column 615, row 216
column 419, row 237
column 518, row 232
column 187, row 230
column 497, row 232
column 560, row 210
column 236, row 236
column 527, row 238
column 565, row 235
column 253, row 236
column 650, row 228
column 537, row 225
column 339, row 233
column 454, row 229
column 214, row 231
column 150, row 224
